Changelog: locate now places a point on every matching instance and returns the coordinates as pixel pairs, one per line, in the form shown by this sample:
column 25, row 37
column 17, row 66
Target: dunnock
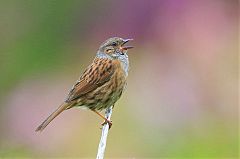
column 101, row 84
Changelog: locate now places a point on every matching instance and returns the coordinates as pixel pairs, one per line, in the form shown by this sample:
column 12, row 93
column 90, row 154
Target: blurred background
column 182, row 94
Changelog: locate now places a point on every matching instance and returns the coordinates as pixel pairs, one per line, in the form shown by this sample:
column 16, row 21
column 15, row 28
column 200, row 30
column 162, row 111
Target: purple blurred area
column 182, row 95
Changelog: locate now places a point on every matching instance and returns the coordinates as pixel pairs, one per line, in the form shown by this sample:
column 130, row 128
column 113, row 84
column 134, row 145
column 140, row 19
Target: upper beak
column 126, row 47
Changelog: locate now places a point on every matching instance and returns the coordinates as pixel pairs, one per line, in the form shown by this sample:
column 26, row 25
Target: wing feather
column 98, row 73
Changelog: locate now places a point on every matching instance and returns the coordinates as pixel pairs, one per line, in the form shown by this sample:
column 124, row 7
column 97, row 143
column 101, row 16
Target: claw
column 107, row 122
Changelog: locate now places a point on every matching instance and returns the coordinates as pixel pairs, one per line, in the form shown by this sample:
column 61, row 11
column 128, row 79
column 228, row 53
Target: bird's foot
column 107, row 122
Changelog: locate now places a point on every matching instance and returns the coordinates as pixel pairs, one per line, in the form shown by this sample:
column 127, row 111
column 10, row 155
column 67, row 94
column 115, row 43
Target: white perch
column 103, row 140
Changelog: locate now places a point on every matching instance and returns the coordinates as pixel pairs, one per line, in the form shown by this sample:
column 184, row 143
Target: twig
column 103, row 140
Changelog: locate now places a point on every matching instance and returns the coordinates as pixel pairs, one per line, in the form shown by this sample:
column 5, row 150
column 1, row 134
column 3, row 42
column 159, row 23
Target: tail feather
column 60, row 109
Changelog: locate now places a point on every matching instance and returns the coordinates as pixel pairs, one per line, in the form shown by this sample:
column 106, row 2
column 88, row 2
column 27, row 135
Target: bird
column 101, row 84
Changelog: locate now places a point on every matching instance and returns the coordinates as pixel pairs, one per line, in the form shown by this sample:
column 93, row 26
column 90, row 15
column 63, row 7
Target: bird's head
column 115, row 47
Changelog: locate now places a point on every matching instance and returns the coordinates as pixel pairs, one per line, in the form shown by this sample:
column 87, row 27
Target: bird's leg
column 105, row 119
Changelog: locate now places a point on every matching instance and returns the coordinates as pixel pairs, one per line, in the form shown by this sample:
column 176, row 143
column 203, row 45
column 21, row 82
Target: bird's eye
column 114, row 44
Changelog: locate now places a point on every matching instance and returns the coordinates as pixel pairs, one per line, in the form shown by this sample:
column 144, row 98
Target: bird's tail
column 60, row 109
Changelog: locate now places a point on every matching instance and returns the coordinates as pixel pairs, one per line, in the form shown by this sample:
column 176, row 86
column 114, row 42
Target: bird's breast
column 114, row 87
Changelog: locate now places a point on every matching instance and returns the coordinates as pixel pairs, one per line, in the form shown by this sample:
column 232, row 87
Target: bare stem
column 103, row 140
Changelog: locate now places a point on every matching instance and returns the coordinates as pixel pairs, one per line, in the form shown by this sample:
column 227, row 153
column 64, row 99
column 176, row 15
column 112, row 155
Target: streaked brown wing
column 98, row 73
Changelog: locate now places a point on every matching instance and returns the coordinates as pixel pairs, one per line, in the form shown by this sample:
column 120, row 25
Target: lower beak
column 126, row 47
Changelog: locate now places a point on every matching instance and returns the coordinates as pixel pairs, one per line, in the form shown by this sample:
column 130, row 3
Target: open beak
column 126, row 47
